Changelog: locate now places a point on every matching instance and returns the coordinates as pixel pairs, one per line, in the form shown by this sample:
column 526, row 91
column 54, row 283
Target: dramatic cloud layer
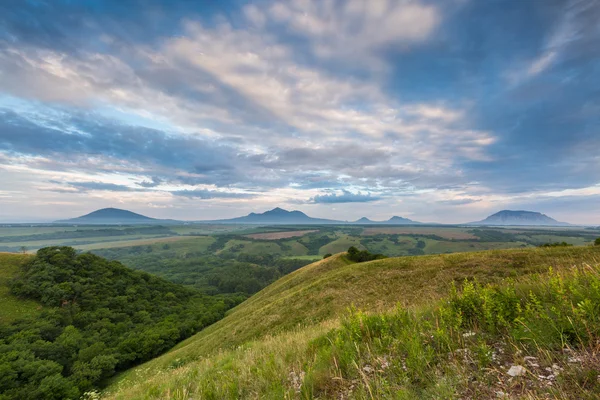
column 428, row 109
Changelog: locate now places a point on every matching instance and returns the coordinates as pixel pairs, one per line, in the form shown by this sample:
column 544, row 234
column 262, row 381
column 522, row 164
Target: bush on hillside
column 327, row 255
column 597, row 242
column 362, row 255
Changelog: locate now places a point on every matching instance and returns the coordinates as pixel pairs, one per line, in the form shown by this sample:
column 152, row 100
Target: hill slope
column 528, row 218
column 308, row 302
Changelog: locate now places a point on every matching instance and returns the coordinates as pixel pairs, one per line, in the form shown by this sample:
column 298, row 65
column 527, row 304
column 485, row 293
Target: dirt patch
column 447, row 233
column 279, row 235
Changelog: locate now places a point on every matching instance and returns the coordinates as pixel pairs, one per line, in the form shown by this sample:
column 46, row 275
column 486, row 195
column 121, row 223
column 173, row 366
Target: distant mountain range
column 279, row 216
column 529, row 218
column 276, row 216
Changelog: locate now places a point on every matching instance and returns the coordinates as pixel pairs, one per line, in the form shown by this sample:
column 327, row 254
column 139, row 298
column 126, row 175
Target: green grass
column 12, row 308
column 131, row 242
column 438, row 247
column 306, row 257
column 251, row 247
column 390, row 248
column 305, row 304
column 341, row 244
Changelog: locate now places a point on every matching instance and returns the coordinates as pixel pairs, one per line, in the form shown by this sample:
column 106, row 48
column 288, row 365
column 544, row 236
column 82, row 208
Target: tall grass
column 547, row 326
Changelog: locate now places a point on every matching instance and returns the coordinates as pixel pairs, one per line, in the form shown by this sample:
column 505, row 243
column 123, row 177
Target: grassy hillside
column 279, row 322
column 13, row 308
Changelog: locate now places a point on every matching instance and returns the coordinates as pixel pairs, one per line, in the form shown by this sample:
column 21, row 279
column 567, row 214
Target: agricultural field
column 242, row 259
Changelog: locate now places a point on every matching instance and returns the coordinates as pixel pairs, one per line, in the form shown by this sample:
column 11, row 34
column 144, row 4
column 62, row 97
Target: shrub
column 556, row 244
column 327, row 255
column 362, row 255
column 597, row 242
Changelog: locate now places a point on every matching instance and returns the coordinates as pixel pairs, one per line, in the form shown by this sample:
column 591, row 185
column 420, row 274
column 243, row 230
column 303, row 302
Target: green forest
column 98, row 317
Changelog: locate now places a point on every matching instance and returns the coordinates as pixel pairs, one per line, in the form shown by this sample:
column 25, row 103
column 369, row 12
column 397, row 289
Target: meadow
column 434, row 327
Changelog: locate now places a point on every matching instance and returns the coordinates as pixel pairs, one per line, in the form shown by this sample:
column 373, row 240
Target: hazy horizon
column 436, row 111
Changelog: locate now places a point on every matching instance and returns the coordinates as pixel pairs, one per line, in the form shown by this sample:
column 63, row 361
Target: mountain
column 277, row 216
column 111, row 216
column 395, row 220
column 365, row 220
column 509, row 217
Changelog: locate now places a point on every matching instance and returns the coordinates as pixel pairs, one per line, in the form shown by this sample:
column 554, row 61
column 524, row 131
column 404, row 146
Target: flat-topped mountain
column 277, row 216
column 510, row 217
column 110, row 216
column 395, row 220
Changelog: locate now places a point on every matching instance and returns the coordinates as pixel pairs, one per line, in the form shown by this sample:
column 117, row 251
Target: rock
column 517, row 370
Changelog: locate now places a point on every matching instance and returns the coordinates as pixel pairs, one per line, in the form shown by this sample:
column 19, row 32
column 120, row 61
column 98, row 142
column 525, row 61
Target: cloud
column 459, row 202
column 344, row 197
column 358, row 29
column 85, row 186
column 155, row 181
column 211, row 194
column 284, row 99
column 102, row 145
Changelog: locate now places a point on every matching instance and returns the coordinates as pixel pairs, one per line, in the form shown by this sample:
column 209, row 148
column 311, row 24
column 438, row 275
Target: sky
column 443, row 111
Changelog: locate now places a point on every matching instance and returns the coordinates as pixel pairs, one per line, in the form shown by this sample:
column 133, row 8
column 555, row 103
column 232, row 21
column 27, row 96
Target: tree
column 327, row 255
column 597, row 242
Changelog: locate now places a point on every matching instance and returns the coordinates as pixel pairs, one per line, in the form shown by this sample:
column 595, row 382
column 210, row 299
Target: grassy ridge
column 11, row 307
column 310, row 301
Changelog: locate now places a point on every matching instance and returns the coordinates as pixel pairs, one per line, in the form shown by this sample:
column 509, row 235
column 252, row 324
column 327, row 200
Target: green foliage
column 597, row 242
column 327, row 255
column 315, row 241
column 556, row 244
column 99, row 317
column 234, row 275
column 362, row 255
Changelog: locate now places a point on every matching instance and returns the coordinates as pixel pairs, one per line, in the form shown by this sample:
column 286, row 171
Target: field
column 446, row 233
column 278, row 235
column 275, row 344
column 11, row 307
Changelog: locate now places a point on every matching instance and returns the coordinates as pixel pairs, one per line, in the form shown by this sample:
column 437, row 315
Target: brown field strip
column 447, row 233
column 279, row 235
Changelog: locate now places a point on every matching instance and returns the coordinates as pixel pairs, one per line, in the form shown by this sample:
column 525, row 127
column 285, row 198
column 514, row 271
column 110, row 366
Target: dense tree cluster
column 236, row 275
column 362, row 255
column 97, row 317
